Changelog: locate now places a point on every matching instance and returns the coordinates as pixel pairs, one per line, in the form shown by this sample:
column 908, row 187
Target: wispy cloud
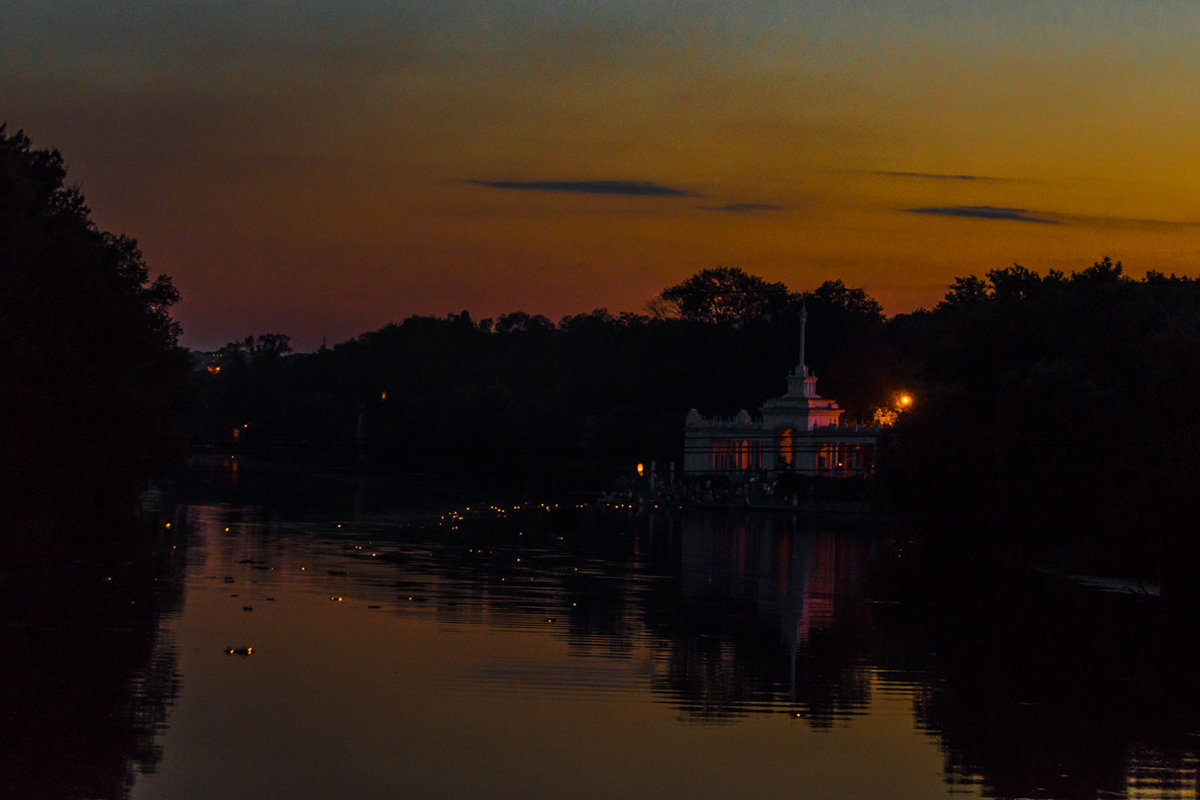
column 634, row 188
column 936, row 176
column 1140, row 223
column 983, row 212
column 742, row 208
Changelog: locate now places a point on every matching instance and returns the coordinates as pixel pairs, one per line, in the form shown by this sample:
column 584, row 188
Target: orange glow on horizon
column 895, row 147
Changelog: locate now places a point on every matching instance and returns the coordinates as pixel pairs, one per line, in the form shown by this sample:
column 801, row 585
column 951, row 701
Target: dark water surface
column 551, row 652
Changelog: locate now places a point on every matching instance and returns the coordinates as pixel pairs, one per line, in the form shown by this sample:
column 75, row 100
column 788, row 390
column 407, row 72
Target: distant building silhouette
column 797, row 432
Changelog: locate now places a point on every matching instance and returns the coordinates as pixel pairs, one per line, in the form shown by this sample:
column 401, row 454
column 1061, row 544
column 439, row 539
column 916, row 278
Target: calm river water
column 542, row 652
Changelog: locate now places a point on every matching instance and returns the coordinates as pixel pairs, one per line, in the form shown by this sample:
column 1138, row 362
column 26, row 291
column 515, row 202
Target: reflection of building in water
column 765, row 560
column 797, row 432
column 818, row 605
column 769, row 592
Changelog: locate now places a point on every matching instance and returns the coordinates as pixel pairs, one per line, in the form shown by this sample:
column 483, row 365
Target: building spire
column 802, row 368
column 801, row 382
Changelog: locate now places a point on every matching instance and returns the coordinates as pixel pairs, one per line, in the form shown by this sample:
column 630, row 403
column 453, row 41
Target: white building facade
column 798, row 432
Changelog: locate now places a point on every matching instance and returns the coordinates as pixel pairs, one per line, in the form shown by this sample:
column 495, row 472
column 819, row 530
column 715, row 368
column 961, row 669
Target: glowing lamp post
column 887, row 415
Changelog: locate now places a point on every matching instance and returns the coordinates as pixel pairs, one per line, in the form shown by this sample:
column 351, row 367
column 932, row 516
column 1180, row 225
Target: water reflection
column 1040, row 687
column 524, row 652
column 755, row 626
column 89, row 673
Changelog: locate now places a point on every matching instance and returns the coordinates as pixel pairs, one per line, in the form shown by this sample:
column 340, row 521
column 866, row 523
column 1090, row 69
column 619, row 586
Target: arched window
column 786, row 443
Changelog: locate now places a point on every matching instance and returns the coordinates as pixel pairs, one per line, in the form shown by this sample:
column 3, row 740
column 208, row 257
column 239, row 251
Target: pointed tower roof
column 801, row 407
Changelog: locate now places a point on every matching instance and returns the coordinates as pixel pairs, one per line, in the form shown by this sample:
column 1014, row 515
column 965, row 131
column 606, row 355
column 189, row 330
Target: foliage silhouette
column 1055, row 411
column 93, row 370
column 726, row 295
column 1052, row 411
column 576, row 402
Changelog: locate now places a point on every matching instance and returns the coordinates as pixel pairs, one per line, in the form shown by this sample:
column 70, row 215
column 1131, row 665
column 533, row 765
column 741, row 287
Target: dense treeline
column 93, row 374
column 577, row 401
column 91, row 396
column 1055, row 410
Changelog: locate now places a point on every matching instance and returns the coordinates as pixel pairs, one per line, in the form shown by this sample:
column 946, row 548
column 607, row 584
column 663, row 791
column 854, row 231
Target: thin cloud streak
column 983, row 212
column 634, row 188
column 742, row 208
column 937, row 176
column 1127, row 222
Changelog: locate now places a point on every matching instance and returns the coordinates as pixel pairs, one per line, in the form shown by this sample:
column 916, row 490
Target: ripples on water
column 553, row 652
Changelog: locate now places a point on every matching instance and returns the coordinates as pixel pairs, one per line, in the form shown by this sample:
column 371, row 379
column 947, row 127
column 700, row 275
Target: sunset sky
column 321, row 169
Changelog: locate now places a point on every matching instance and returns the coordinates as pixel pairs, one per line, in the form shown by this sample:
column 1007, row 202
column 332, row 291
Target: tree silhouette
column 1058, row 409
column 92, row 365
column 725, row 295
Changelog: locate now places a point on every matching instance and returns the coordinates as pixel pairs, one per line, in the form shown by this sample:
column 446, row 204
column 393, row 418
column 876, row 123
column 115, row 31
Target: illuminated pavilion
column 798, row 432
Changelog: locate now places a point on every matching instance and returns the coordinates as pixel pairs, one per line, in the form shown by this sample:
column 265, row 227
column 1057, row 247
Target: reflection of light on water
column 1161, row 775
column 490, row 658
column 820, row 588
